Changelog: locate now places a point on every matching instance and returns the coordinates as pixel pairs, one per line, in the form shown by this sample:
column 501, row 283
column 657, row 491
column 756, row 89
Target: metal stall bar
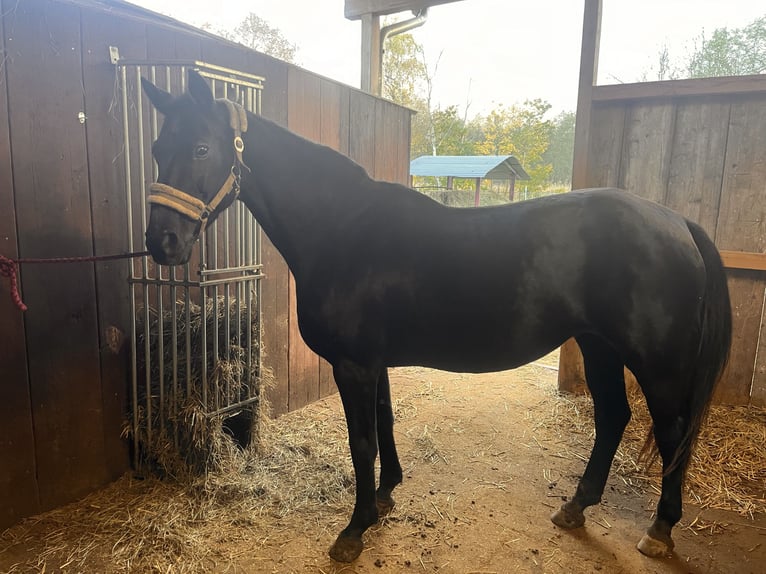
column 223, row 290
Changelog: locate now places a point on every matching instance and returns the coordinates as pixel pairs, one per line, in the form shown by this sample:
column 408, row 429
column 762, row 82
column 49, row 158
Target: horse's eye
column 200, row 152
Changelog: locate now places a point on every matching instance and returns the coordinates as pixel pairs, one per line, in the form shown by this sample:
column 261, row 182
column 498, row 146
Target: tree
column 256, row 33
column 735, row 52
column 522, row 131
column 560, row 152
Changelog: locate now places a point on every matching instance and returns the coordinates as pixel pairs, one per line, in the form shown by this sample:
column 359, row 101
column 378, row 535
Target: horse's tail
column 714, row 344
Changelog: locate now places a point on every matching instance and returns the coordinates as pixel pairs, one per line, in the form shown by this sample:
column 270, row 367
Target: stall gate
column 195, row 328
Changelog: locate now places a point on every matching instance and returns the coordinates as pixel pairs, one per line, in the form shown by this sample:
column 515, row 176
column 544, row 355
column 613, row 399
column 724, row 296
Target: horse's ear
column 160, row 98
column 199, row 90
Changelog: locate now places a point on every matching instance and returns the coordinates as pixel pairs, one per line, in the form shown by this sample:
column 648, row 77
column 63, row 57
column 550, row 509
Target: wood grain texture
column 303, row 118
column 54, row 219
column 18, row 482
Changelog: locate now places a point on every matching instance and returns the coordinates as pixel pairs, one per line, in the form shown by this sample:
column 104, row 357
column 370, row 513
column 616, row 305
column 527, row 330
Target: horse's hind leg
column 671, row 424
column 606, row 380
column 390, row 469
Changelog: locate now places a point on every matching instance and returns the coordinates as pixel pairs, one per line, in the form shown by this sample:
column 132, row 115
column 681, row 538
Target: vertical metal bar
column 203, row 329
column 129, row 200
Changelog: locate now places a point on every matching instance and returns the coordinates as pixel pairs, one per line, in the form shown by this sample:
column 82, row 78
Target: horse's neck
column 297, row 190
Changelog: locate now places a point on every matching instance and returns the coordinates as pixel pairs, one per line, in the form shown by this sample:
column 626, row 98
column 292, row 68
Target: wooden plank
column 605, row 147
column 591, row 38
column 109, row 208
column 303, row 118
column 646, row 152
column 746, row 293
column 744, row 260
column 354, row 9
column 742, row 227
column 18, row 482
column 689, row 88
column 386, row 144
column 697, row 159
column 741, row 221
column 361, row 145
column 53, row 217
column 758, row 386
column 275, row 301
column 334, row 103
column 403, row 159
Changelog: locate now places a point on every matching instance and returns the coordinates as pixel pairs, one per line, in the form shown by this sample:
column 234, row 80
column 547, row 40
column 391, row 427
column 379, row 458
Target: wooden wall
column 696, row 146
column 62, row 383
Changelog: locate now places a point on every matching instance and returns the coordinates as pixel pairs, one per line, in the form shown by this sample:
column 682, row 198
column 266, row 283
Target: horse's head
column 199, row 159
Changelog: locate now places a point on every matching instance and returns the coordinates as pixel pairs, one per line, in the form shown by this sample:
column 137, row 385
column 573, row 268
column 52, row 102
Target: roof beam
column 355, row 9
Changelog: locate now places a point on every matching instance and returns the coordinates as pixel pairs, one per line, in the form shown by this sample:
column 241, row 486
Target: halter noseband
column 188, row 205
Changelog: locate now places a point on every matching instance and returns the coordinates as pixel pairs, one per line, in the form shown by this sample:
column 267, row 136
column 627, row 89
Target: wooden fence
column 64, row 363
column 697, row 146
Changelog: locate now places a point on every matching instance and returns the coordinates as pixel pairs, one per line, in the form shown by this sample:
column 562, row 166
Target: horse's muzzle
column 167, row 249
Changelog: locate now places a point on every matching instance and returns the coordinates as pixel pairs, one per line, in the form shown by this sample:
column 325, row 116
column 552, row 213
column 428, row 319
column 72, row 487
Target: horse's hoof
column 385, row 505
column 346, row 549
column 654, row 548
column 565, row 518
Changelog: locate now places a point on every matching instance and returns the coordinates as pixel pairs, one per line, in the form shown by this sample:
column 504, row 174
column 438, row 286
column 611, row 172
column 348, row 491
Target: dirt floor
column 485, row 465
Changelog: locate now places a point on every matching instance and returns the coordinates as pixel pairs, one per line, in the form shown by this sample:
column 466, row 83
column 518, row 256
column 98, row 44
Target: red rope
column 9, row 268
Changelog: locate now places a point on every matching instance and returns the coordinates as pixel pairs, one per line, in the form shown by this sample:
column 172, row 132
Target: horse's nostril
column 169, row 242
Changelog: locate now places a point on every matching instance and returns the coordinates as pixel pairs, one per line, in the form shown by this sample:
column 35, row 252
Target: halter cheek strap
column 192, row 207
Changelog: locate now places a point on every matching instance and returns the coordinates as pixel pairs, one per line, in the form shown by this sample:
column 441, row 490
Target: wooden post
column 511, row 188
column 571, row 369
column 477, row 192
column 371, row 54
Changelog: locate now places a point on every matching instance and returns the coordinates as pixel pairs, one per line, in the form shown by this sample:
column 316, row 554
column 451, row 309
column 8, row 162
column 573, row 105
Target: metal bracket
column 114, row 55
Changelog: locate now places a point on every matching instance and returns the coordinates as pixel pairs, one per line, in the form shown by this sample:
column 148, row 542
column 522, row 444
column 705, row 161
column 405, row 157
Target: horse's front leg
column 358, row 389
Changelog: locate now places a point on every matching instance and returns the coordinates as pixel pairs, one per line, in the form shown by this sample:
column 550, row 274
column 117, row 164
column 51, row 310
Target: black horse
column 387, row 277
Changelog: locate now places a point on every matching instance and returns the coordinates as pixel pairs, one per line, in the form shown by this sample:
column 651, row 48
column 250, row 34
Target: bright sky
column 491, row 51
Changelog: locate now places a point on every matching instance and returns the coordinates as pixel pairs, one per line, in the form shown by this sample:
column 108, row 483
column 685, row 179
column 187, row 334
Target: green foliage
column 543, row 146
column 736, row 52
column 256, row 33
column 522, row 131
column 560, row 152
column 727, row 52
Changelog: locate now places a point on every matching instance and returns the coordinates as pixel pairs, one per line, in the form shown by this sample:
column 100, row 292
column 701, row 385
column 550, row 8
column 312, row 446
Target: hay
column 728, row 466
column 176, row 435
column 301, row 472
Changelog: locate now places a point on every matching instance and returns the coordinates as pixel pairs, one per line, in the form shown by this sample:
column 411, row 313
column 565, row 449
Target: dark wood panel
column 696, row 161
column 386, row 140
column 403, row 158
column 275, row 301
column 742, row 216
column 18, row 482
column 747, row 295
column 303, row 118
column 275, row 314
column 52, row 202
column 107, row 182
column 646, row 150
column 334, row 102
column 361, row 143
column 742, row 227
column 677, row 89
column 605, row 147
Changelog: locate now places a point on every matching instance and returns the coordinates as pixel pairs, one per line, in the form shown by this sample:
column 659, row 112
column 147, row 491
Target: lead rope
column 9, row 268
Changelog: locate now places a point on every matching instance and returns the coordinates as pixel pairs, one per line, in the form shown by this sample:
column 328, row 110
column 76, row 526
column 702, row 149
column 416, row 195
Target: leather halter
column 192, row 207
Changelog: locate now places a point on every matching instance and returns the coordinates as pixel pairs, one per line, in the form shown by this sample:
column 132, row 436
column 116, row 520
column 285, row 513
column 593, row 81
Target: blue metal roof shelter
column 469, row 166
column 476, row 167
